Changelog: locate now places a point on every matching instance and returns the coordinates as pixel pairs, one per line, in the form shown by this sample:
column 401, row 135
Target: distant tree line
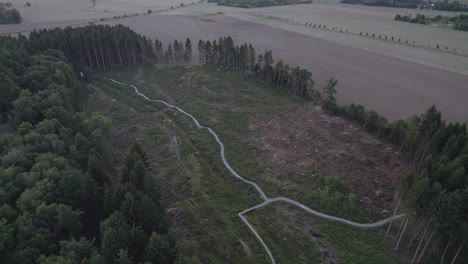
column 435, row 195
column 61, row 198
column 104, row 47
column 9, row 15
column 258, row 3
column 435, row 5
column 446, row 6
column 244, row 59
column 459, row 22
column 418, row 19
column 386, row 3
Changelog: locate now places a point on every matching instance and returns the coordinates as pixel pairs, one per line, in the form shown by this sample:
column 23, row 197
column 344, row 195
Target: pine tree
column 170, row 55
column 123, row 257
column 115, row 234
column 158, row 250
column 201, row 52
column 188, row 51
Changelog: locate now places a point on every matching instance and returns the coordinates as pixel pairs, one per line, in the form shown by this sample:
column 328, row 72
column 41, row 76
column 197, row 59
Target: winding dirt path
column 266, row 199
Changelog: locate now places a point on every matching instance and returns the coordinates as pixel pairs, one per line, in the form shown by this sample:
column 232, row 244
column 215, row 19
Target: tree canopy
column 9, row 15
column 58, row 202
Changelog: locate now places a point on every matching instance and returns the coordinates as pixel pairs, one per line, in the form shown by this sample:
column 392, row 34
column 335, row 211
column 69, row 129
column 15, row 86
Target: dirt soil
column 391, row 86
column 305, row 139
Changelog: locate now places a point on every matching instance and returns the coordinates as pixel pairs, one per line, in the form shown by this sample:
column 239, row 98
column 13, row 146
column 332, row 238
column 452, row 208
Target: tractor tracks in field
column 265, row 198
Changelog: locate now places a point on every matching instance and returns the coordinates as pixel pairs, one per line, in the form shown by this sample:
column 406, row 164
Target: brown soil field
column 304, row 139
column 394, row 87
column 121, row 6
column 44, row 14
column 356, row 19
column 371, row 19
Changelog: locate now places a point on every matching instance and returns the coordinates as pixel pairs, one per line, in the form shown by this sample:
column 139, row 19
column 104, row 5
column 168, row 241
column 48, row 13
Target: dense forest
column 244, row 59
column 62, row 200
column 459, row 22
column 259, row 3
column 9, row 15
column 435, row 5
column 435, row 195
column 99, row 47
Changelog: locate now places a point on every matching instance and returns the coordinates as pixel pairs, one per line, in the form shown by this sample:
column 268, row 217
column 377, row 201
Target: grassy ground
column 296, row 229
column 201, row 197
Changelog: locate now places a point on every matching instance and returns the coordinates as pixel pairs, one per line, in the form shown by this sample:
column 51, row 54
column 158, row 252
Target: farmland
column 250, row 3
column 372, row 20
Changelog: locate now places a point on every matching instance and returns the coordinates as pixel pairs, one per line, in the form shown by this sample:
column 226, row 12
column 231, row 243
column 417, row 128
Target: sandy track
column 394, row 87
column 266, row 199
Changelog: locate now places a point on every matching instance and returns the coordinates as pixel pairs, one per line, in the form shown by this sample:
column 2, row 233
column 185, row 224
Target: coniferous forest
column 9, row 15
column 434, row 196
column 63, row 201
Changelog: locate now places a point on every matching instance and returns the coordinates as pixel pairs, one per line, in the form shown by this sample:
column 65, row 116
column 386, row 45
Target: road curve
column 265, row 198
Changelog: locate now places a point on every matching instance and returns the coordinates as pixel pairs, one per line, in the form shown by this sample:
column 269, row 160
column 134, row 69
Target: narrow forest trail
column 266, row 199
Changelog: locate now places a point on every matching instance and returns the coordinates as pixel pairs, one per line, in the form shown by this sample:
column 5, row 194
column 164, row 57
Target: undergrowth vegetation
column 228, row 103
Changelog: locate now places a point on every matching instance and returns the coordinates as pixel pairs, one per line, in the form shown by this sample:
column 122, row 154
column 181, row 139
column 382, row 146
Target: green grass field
column 200, row 195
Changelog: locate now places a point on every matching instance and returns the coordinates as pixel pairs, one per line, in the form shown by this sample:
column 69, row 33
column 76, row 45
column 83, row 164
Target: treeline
column 104, row 47
column 418, row 19
column 9, row 15
column 434, row 5
column 97, row 46
column 243, row 58
column 386, row 3
column 258, row 3
column 61, row 199
column 176, row 53
column 435, row 195
column 459, row 22
column 446, row 6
